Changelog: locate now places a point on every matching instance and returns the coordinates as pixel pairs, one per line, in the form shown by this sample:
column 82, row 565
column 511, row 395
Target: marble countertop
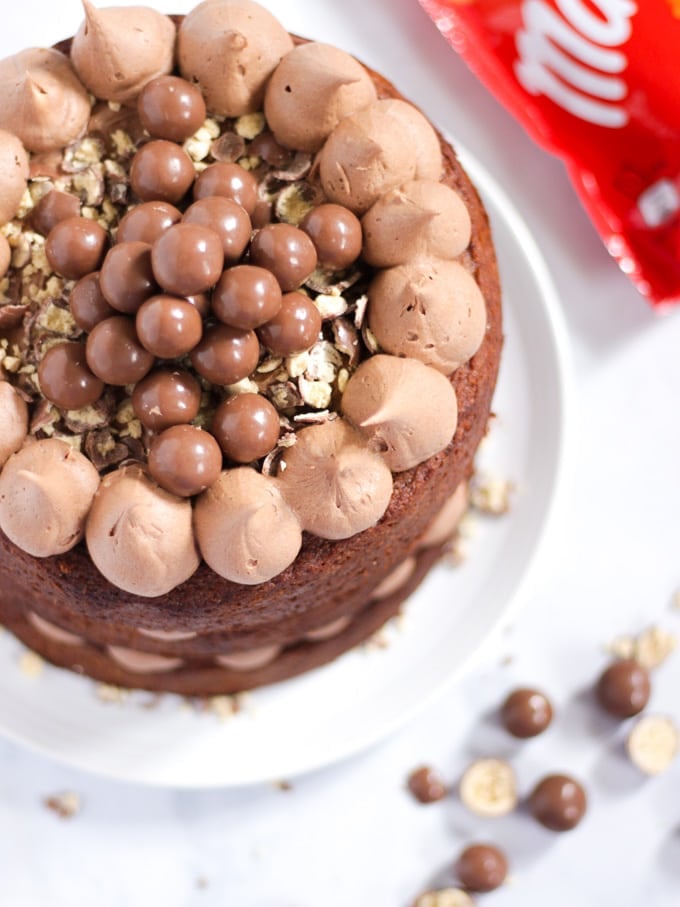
column 351, row 834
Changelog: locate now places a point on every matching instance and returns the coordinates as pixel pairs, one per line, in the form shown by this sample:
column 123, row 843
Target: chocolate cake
column 249, row 337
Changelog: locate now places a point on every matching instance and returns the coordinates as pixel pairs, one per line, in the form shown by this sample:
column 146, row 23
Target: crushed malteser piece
column 323, row 415
column 89, row 185
column 198, row 146
column 66, row 804
column 283, row 785
column 123, row 144
column 360, row 311
column 622, row 647
column 249, row 125
column 323, row 362
column 315, row 393
column 297, row 365
column 445, row 897
column 650, row 648
column 378, row 641
column 269, row 365
column 343, row 378
column 30, row 664
column 653, row 744
column 490, row 494
column 224, row 707
column 372, row 344
column 108, row 693
column 330, row 305
column 295, row 201
column 244, row 386
column 488, row 787
column 57, row 320
column 653, row 646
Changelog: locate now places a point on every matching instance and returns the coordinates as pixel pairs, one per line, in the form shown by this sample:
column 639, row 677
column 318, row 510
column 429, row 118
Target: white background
column 350, row 835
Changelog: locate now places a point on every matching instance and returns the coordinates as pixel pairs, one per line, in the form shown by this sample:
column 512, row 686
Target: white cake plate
column 338, row 710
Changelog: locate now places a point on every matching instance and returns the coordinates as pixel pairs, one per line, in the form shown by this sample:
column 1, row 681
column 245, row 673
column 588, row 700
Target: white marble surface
column 350, row 835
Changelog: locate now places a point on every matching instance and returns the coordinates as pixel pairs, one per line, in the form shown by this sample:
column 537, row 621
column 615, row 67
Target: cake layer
column 195, row 677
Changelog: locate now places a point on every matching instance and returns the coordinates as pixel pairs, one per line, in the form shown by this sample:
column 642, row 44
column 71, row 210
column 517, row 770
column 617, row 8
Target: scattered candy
column 526, row 713
column 624, row 688
column 558, row 802
column 653, row 744
column 488, row 787
column 427, row 785
column 481, row 867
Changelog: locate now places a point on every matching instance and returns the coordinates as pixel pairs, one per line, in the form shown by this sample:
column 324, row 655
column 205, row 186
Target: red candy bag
column 596, row 82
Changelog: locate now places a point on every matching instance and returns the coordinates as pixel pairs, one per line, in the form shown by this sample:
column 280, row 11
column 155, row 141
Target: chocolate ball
column 87, row 303
column 558, row 802
column 65, row 378
column 115, row 354
column 336, row 234
column 526, row 713
column 481, row 867
column 76, row 246
column 624, row 688
column 286, row 251
column 171, row 108
column 246, row 297
column 246, row 427
column 294, row 329
column 229, row 181
column 427, row 785
column 228, row 219
column 148, row 221
column 201, row 301
column 166, row 397
column 225, row 355
column 187, row 259
column 161, row 170
column 126, row 278
column 185, row 460
column 52, row 209
column 168, row 326
column 262, row 215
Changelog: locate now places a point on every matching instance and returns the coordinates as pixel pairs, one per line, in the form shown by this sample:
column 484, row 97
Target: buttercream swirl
column 366, row 154
column 230, row 48
column 42, row 100
column 46, row 490
column 246, row 531
column 139, row 536
column 334, row 483
column 407, row 411
column 428, row 309
column 14, row 421
column 422, row 218
column 311, row 90
column 117, row 50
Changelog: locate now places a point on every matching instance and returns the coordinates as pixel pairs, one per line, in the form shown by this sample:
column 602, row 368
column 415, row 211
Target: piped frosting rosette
column 147, row 528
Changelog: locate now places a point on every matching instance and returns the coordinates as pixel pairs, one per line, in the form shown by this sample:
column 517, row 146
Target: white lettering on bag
column 559, row 56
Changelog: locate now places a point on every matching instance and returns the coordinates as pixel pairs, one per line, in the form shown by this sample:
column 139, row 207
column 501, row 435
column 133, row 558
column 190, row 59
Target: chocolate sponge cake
column 249, row 338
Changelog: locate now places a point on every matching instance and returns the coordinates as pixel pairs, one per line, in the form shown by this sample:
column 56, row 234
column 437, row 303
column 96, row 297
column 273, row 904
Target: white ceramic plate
column 336, row 711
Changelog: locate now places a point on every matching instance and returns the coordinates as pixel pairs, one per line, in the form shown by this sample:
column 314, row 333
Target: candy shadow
column 669, row 854
column 615, row 773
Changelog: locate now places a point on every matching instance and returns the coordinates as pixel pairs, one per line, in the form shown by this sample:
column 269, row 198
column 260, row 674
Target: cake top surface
column 232, row 295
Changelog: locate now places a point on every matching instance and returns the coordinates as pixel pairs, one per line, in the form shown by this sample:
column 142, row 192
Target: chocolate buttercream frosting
column 119, row 49
column 43, row 102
